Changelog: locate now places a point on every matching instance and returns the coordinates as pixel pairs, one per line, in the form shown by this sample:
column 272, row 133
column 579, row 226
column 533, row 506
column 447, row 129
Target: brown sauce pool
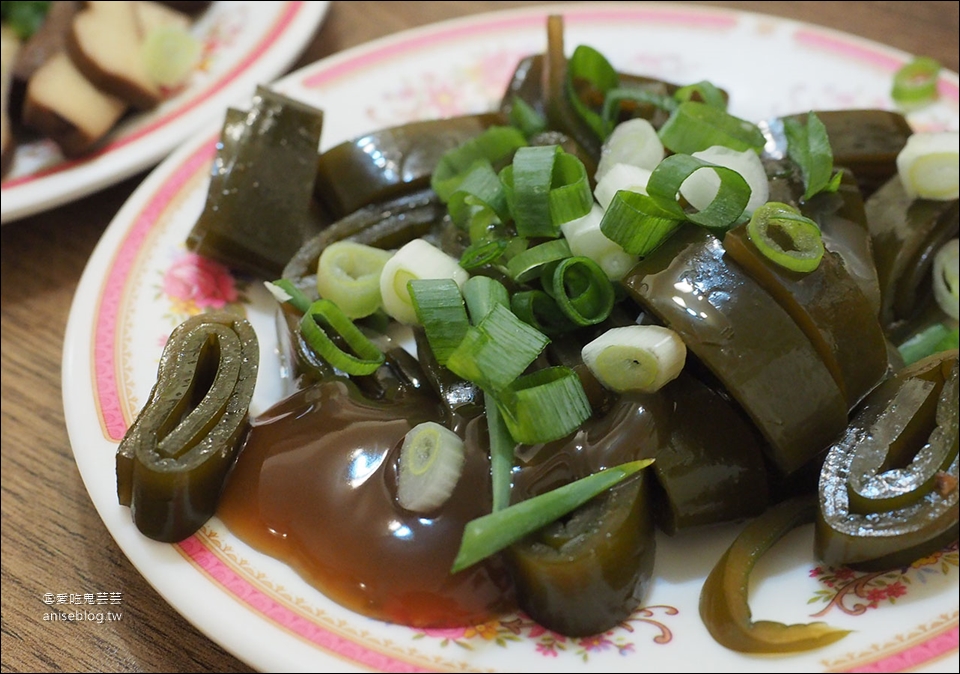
column 315, row 487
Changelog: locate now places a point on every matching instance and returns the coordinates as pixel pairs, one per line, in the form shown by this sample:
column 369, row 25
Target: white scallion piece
column 638, row 358
column 701, row 188
column 621, row 177
column 633, row 142
column 584, row 237
column 415, row 260
column 431, row 461
column 946, row 278
column 929, row 165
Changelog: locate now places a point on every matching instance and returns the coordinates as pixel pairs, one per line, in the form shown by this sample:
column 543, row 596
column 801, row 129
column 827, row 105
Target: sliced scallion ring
column 929, row 165
column 639, row 358
column 348, row 274
column 638, row 223
column 634, row 142
column 586, row 239
column 527, row 265
column 701, row 188
column 366, row 357
column 695, row 126
column 417, row 259
column 431, row 462
column 786, row 237
column 915, row 83
column 946, row 278
column 440, row 310
column 582, row 290
column 621, row 177
column 544, row 405
column 492, row 533
column 732, row 197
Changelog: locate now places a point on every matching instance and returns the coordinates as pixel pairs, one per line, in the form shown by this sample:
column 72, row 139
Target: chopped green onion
column 477, row 255
column 169, row 54
column 478, row 197
column 530, row 263
column 570, row 195
column 348, row 274
column 723, row 210
column 582, row 290
column 481, row 294
column 431, row 462
column 544, row 405
column 786, row 237
column 501, row 454
column 537, row 308
column 495, row 145
column 634, row 142
column 915, row 83
column 936, row 338
column 439, row 307
column 929, row 165
column 587, row 65
column 488, row 535
column 284, row 291
column 707, row 92
column 525, row 118
column 497, row 350
column 527, row 182
column 809, row 147
column 946, row 278
column 586, row 239
column 615, row 98
column 636, row 357
column 417, row 259
column 637, row 223
column 695, row 126
column 366, row 357
column 702, row 186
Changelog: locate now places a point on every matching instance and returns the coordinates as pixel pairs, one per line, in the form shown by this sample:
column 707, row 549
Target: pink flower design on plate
column 194, row 283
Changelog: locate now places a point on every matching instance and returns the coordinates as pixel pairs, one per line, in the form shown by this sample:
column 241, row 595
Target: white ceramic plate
column 141, row 282
column 244, row 44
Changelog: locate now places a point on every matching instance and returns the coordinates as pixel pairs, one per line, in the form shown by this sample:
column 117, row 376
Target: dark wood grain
column 53, row 539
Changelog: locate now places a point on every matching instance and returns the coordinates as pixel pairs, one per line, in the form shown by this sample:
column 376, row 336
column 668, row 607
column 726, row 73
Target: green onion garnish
column 481, row 294
column 727, row 205
column 544, row 405
column 497, row 350
column 479, row 254
column 479, row 196
column 348, row 274
column 501, row 454
column 581, row 289
column 809, row 147
column 615, row 97
column 537, row 308
column 587, row 65
column 527, row 182
column 525, row 118
column 495, row 145
column 440, row 310
column 637, row 222
column 284, row 291
column 707, row 92
column 528, row 265
column 786, row 237
column 366, row 357
column 934, row 339
column 695, row 126
column 492, row 533
column 636, row 357
column 915, row 83
column 431, row 462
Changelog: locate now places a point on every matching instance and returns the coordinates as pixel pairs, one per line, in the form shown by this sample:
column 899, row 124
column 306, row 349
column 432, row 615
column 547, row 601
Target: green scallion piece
column 725, row 209
column 587, row 65
column 527, row 183
column 524, row 117
column 497, row 350
column 707, row 92
column 934, row 339
column 479, row 254
column 488, row 535
column 528, row 265
column 537, row 308
column 481, row 294
column 570, row 195
column 615, row 97
column 479, row 196
column 544, row 405
column 915, row 83
column 440, row 310
column 494, row 146
column 637, row 223
column 285, row 291
column 809, row 147
column 786, row 237
column 348, row 274
column 581, row 289
column 366, row 357
column 501, row 454
column 695, row 126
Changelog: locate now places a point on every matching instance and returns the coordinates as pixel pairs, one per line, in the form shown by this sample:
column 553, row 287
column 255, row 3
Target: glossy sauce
column 315, row 486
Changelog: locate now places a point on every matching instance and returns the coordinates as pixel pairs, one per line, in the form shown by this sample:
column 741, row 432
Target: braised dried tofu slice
column 106, row 42
column 64, row 105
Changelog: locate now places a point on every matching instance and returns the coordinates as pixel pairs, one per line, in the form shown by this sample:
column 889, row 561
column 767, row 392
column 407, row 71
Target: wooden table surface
column 53, row 539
